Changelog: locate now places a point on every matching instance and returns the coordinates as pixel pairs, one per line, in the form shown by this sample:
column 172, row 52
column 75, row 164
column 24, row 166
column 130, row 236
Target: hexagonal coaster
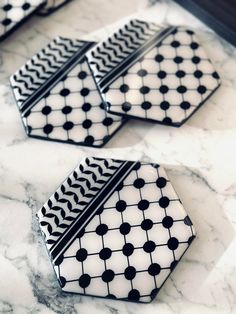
column 115, row 229
column 162, row 75
column 58, row 98
column 14, row 12
column 51, row 6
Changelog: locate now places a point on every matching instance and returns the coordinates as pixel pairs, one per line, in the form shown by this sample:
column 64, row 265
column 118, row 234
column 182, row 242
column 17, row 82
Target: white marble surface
column 199, row 157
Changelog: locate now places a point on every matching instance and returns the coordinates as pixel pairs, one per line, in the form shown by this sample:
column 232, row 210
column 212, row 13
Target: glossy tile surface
column 152, row 73
column 115, row 229
column 58, row 98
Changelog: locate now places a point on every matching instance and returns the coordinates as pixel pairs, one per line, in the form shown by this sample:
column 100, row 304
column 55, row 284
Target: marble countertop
column 199, row 158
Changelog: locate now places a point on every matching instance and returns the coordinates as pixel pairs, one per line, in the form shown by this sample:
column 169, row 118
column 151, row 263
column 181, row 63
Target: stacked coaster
column 14, row 12
column 115, row 229
column 82, row 93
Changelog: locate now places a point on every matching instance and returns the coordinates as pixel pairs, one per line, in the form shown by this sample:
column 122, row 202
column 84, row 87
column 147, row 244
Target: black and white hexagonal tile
column 14, row 12
column 58, row 98
column 51, row 6
column 115, row 229
column 152, row 73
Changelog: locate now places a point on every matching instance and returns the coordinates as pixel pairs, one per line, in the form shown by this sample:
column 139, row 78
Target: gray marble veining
column 199, row 158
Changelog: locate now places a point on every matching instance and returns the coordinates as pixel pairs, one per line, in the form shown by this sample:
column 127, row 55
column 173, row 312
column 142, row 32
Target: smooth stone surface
column 199, row 158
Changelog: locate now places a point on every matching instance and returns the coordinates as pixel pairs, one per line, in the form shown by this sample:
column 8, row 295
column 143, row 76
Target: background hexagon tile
column 153, row 73
column 14, row 12
column 115, row 229
column 58, row 98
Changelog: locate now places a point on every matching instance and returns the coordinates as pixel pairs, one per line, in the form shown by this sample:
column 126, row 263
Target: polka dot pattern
column 13, row 12
column 166, row 85
column 133, row 242
column 72, row 111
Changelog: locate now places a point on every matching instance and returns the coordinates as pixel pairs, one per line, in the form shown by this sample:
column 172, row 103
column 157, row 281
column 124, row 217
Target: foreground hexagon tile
column 152, row 73
column 14, row 12
column 115, row 229
column 58, row 98
column 51, row 6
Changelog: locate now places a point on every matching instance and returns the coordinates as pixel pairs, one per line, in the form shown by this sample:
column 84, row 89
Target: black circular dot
column 68, row 125
column 154, row 269
column 89, row 140
column 196, row 60
column 198, row 74
column 27, row 114
column 6, row 22
column 62, row 281
column 185, row 105
column 164, row 89
column 46, row 110
column 86, row 107
column 82, row 75
column 7, row 7
column 81, row 233
column 120, row 186
column 130, row 272
column 164, row 105
column 111, row 296
column 87, row 124
column 108, row 275
column 175, row 44
column 84, row 92
column 146, row 105
column 173, row 265
column 125, row 228
column 137, row 166
column 201, row 89
column 164, row 201
column 194, row 45
column 126, row 106
column 167, row 222
column 143, row 204
column 167, row 121
column 107, row 121
column 81, row 255
column 139, row 183
column 146, row 224
column 124, row 88
column 215, row 75
column 188, row 31
column 159, row 58
column 142, row 72
column 144, row 90
column 101, row 229
column 149, row 246
column 121, row 206
column 188, row 221
column 48, row 129
column 84, row 281
column 173, row 243
column 105, row 253
column 66, row 109
column 181, row 89
column 26, row 6
column 65, row 92
column 134, row 295
column 190, row 240
column 161, row 74
column 161, row 182
column 178, row 59
column 180, row 73
column 128, row 249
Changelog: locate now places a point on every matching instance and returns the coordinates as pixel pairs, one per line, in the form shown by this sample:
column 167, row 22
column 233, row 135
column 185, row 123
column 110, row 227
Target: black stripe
column 133, row 57
column 47, row 85
column 87, row 215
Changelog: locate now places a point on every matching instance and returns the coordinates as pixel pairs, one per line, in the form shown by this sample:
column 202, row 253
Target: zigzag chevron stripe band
column 90, row 211
column 46, row 67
